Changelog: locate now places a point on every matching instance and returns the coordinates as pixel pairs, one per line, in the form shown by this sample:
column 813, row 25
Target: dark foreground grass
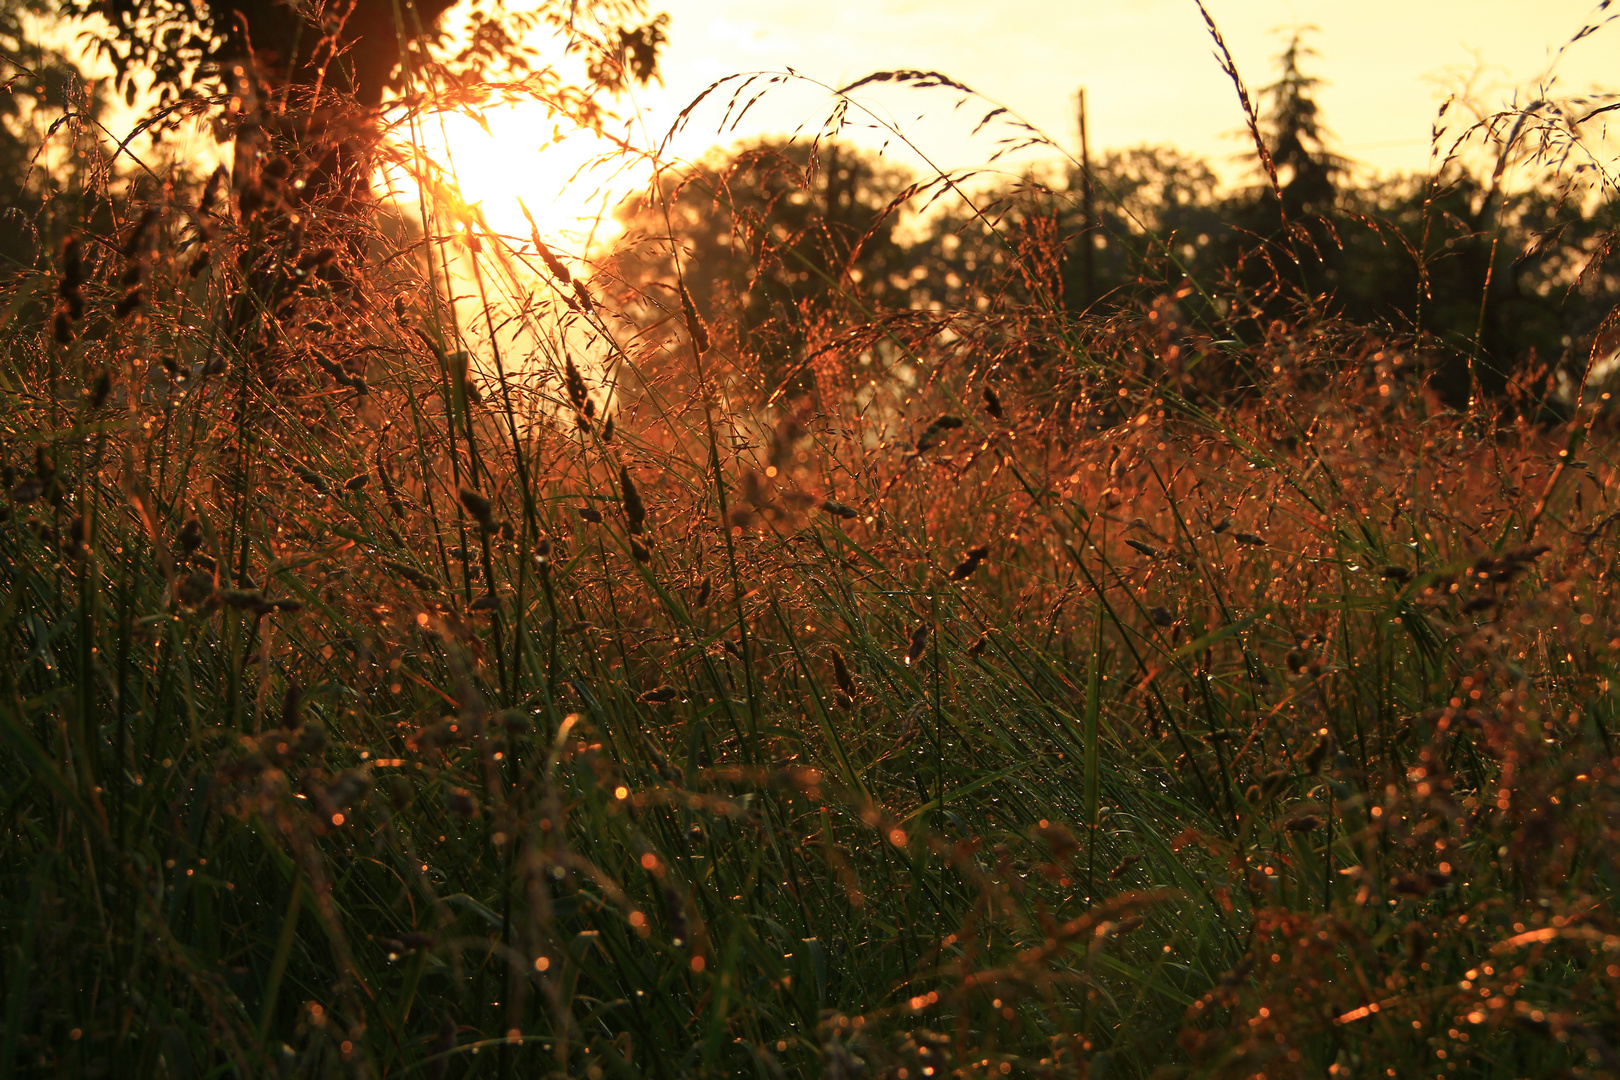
column 368, row 715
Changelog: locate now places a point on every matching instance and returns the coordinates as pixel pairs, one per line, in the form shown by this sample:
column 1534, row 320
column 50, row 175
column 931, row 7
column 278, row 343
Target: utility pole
column 834, row 195
column 1088, row 208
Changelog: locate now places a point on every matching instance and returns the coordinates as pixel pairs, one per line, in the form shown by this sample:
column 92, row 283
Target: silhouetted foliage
column 1308, row 172
column 181, row 49
column 301, row 83
column 1491, row 286
column 769, row 237
column 44, row 105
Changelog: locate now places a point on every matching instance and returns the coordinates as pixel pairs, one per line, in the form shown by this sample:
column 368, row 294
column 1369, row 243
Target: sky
column 1147, row 65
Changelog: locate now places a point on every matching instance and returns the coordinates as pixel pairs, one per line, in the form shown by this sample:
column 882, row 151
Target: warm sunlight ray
column 517, row 155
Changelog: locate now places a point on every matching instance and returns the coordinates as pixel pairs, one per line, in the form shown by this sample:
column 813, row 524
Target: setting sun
column 520, row 155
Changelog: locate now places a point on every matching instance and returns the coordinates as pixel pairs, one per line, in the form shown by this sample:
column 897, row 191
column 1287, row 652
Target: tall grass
column 372, row 709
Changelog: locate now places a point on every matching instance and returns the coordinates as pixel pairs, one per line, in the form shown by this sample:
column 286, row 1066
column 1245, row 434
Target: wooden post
column 1088, row 205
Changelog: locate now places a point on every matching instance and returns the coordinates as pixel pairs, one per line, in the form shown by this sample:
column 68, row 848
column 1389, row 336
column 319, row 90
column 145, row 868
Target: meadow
column 1134, row 691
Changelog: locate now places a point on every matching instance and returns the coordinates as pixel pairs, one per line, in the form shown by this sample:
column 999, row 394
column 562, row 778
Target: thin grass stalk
column 1093, row 714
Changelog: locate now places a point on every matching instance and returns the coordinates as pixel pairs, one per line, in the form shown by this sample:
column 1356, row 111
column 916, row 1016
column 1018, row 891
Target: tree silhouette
column 772, row 237
column 301, row 81
column 1291, row 122
column 358, row 48
column 1491, row 290
column 40, row 185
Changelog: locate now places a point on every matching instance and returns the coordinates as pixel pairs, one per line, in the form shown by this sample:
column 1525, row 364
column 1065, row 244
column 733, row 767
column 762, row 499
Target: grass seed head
column 100, row 389
column 70, row 287
column 578, row 395
column 968, row 565
column 931, row 434
column 919, row 642
column 841, row 674
column 461, row 802
column 553, row 264
column 310, row 477
column 1318, row 753
column 411, row 574
column 142, row 235
column 635, row 512
column 1059, row 837
column 1273, row 782
column 395, row 503
column 695, row 326
column 26, row 490
column 210, row 191
column 1124, row 867
column 195, row 589
column 582, row 298
column 314, row 260
column 479, row 506
column 245, row 600
column 73, row 545
column 290, row 702
column 992, row 403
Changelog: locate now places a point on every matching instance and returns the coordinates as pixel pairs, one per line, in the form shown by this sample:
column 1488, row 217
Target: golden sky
column 1146, row 64
column 1147, row 67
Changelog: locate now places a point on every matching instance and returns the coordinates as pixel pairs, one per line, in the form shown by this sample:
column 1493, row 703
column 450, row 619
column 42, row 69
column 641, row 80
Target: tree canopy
column 44, row 91
column 1493, row 287
column 773, row 237
column 181, row 49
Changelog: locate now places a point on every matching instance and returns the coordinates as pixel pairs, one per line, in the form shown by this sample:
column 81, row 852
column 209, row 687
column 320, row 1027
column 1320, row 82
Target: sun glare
column 518, row 157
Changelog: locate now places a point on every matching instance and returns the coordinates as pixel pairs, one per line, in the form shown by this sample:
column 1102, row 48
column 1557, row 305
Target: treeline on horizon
column 1498, row 287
